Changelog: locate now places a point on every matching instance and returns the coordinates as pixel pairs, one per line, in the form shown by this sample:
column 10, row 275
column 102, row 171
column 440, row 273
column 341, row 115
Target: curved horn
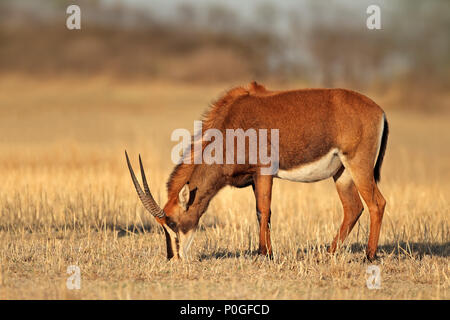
column 146, row 198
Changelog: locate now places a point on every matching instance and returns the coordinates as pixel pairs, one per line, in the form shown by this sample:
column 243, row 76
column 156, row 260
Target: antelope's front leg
column 263, row 195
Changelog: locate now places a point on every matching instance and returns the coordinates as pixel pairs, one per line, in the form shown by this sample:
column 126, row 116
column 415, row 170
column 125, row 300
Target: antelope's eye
column 171, row 225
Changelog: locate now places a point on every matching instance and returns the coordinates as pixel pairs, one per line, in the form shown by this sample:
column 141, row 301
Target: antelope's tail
column 384, row 139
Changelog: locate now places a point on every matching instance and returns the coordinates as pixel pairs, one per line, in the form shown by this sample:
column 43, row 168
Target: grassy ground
column 66, row 198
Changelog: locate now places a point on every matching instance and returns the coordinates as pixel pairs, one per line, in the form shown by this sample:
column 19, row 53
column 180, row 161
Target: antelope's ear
column 183, row 196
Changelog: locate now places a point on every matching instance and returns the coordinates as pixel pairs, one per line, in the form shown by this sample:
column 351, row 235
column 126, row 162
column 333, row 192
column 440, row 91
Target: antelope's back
column 310, row 121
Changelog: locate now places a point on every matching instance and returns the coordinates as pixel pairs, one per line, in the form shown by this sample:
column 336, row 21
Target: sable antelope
column 323, row 133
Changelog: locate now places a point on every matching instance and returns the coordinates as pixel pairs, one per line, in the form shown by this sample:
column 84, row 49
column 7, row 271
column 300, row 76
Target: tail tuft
column 384, row 138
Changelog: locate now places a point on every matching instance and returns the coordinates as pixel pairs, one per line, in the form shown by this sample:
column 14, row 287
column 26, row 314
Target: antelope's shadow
column 414, row 249
column 225, row 254
column 123, row 231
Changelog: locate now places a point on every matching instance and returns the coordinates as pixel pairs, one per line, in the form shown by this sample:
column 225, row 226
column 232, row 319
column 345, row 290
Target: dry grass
column 66, row 198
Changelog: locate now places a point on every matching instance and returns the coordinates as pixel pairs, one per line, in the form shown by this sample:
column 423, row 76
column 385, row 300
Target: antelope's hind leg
column 363, row 177
column 351, row 204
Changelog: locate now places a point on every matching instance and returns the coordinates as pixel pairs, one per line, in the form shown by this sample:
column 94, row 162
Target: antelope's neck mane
column 212, row 118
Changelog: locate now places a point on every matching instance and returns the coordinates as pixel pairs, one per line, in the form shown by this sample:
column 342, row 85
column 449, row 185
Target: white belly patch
column 321, row 169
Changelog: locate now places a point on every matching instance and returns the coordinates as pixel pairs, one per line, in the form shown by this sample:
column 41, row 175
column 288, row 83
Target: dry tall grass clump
column 66, row 198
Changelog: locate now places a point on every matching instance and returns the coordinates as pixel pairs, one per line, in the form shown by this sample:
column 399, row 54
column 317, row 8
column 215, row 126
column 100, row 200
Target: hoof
column 263, row 253
column 371, row 257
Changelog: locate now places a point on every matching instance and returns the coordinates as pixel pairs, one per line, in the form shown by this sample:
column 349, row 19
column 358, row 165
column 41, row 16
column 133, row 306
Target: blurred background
column 315, row 43
column 72, row 100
